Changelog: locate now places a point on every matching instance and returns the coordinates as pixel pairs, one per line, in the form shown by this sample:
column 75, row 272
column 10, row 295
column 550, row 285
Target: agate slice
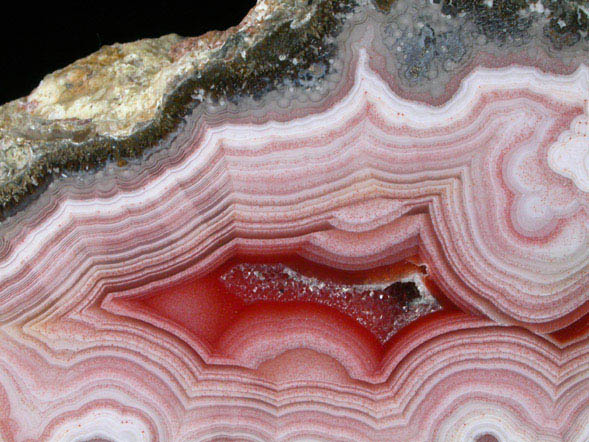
column 338, row 220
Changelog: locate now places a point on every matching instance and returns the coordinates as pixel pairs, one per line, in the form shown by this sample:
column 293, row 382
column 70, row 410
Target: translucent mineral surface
column 338, row 220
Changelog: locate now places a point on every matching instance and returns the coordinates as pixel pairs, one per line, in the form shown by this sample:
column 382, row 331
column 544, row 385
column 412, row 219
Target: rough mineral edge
column 122, row 99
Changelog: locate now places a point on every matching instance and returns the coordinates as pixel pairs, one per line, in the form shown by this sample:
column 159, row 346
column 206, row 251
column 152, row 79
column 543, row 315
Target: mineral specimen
column 339, row 220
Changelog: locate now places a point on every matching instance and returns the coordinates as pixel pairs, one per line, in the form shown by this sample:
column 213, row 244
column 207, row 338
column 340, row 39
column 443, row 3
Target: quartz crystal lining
column 386, row 239
column 382, row 308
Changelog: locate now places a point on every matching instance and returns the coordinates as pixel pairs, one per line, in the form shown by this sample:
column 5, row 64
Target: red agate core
column 250, row 309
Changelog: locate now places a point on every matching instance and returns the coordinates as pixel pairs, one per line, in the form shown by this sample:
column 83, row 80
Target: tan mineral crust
column 115, row 88
column 102, row 100
column 111, row 92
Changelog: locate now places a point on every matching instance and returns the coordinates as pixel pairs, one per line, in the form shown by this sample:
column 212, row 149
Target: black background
column 37, row 40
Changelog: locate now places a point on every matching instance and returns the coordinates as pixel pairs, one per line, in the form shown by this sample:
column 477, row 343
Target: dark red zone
column 576, row 330
column 206, row 308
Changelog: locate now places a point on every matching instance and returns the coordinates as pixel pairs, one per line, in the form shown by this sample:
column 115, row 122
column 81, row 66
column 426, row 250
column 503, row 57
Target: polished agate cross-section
column 249, row 311
column 376, row 269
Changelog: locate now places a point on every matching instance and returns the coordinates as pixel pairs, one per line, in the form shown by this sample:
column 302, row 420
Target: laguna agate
column 336, row 221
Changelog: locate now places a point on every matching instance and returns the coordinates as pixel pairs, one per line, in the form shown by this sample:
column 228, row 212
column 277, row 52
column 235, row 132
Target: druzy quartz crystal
column 339, row 220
